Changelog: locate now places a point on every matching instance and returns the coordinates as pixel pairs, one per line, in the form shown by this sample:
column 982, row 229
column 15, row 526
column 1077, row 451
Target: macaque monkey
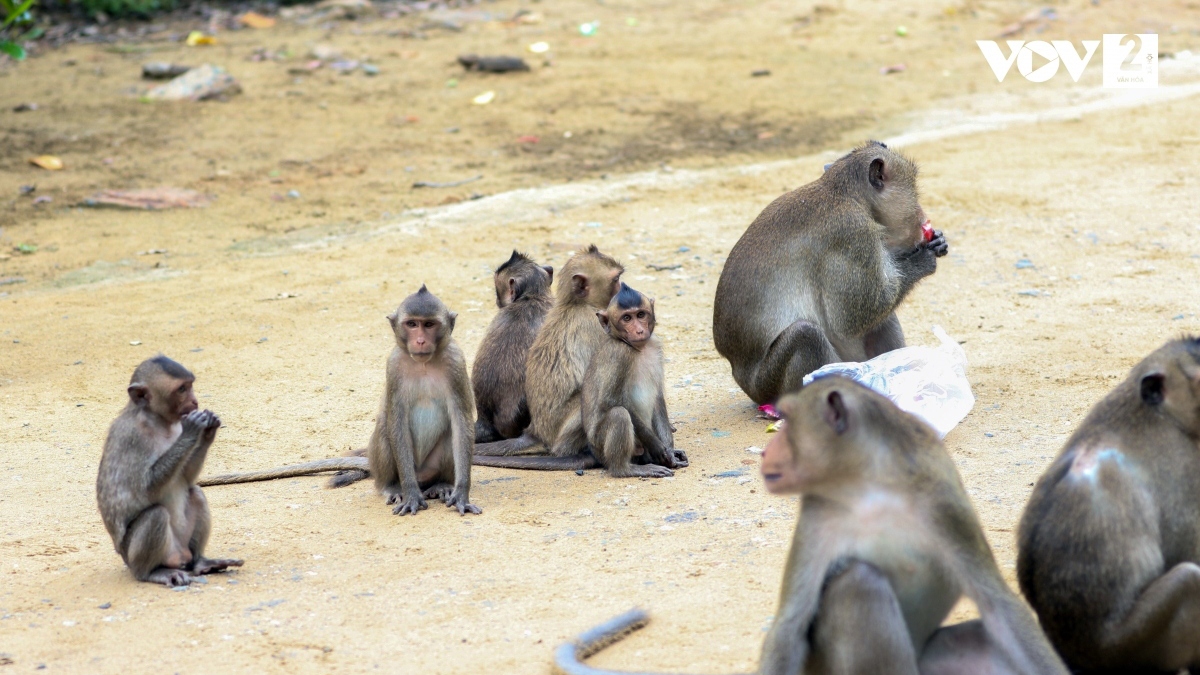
column 886, row 544
column 146, row 488
column 424, row 435
column 498, row 375
column 624, row 410
column 817, row 277
column 1109, row 546
column 555, row 368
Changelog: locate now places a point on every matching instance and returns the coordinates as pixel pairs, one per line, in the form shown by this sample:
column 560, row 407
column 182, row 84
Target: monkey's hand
column 196, row 421
column 211, row 426
column 459, row 501
column 938, row 244
column 680, row 457
column 408, row 503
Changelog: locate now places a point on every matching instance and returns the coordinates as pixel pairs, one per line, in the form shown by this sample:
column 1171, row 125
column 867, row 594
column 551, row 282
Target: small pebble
column 370, row 69
column 262, row 339
column 106, row 605
column 578, row 472
column 683, row 249
column 1024, row 263
column 294, row 194
column 988, row 434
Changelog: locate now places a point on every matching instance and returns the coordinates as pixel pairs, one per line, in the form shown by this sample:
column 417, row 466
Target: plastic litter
column 930, row 382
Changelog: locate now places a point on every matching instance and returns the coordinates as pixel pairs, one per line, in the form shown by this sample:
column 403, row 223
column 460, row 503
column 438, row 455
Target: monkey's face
column 168, row 397
column 892, row 186
column 779, row 471
column 633, row 326
column 422, row 334
column 810, row 450
column 1171, row 383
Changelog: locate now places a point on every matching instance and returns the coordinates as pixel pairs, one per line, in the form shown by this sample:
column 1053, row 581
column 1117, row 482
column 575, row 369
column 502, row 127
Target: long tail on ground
column 351, row 465
column 538, row 462
column 521, row 445
column 569, row 657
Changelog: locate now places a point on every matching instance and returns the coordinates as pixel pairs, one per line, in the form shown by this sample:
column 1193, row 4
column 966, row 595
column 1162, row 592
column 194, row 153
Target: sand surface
column 277, row 303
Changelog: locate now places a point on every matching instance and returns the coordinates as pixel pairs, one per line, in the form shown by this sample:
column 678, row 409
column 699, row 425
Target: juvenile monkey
column 817, row 277
column 885, row 545
column 498, row 375
column 624, row 410
column 555, row 368
column 146, row 488
column 1109, row 545
column 423, row 438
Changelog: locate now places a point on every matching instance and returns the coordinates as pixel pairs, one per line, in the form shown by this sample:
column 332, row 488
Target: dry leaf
column 256, row 20
column 196, row 38
column 48, row 162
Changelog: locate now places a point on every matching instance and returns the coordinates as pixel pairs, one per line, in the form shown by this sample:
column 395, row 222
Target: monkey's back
column 120, row 485
column 1105, row 520
column 557, row 361
column 767, row 282
column 499, row 367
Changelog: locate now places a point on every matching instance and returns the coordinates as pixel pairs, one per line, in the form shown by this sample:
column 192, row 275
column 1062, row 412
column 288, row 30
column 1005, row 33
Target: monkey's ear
column 876, row 173
column 1153, row 389
column 835, row 413
column 549, row 272
column 139, row 393
column 579, row 285
column 392, row 319
column 450, row 317
column 603, row 320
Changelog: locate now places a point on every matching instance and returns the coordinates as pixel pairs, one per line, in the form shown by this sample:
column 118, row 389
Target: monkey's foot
column 459, row 502
column 170, row 577
column 642, row 471
column 405, row 505
column 440, row 491
column 680, row 457
column 211, row 565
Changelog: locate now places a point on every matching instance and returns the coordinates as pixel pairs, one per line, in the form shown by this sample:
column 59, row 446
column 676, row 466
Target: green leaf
column 27, row 248
column 12, row 49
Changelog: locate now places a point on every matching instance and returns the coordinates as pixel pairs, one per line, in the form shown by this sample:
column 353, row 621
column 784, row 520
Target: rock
column 198, row 84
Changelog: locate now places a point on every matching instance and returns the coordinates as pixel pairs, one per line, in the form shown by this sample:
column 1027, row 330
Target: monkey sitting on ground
column 885, row 545
column 498, row 375
column 555, row 368
column 817, row 277
column 1108, row 550
column 624, row 410
column 424, row 435
column 146, row 487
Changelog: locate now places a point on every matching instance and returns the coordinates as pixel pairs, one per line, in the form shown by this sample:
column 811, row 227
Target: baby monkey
column 155, row 513
column 624, row 411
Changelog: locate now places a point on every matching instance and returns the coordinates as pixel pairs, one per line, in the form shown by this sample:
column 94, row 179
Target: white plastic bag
column 930, row 382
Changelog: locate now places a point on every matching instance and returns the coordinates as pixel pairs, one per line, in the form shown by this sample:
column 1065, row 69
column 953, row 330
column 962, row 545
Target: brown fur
column 624, row 410
column 816, row 278
column 146, row 488
column 498, row 375
column 555, row 368
column 1109, row 545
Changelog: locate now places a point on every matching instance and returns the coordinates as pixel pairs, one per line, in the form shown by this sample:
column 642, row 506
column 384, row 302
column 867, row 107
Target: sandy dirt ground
column 277, row 303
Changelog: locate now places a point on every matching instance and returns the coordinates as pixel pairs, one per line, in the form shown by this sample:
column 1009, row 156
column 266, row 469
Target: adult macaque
column 624, row 410
column 555, row 368
column 498, row 375
column 146, row 488
column 1109, row 546
column 886, row 544
column 817, row 277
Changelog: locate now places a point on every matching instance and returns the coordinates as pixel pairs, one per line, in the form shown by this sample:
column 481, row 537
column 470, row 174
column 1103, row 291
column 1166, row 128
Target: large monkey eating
column 885, row 545
column 817, row 277
column 1109, row 546
column 146, row 488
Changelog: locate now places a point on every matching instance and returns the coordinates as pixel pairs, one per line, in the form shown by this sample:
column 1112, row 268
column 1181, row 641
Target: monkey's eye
column 641, row 315
column 429, row 324
column 626, row 318
column 410, row 323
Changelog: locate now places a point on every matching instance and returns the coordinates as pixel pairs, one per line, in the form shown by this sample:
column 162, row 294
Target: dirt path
column 1101, row 201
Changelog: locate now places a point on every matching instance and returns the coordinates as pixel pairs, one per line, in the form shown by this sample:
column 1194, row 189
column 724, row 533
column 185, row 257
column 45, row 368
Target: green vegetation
column 125, row 8
column 16, row 27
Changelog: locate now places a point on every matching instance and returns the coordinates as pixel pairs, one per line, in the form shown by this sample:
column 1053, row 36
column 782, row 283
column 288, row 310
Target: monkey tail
column 568, row 658
column 521, row 445
column 344, row 478
column 349, row 464
column 538, row 463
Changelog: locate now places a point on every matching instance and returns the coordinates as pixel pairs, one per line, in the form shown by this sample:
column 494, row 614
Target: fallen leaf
column 47, row 162
column 196, row 38
column 256, row 20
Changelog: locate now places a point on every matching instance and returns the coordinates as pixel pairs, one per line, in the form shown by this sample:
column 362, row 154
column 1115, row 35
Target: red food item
column 927, row 230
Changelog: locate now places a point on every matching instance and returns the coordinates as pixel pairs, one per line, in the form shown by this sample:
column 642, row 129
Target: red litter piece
column 927, row 230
